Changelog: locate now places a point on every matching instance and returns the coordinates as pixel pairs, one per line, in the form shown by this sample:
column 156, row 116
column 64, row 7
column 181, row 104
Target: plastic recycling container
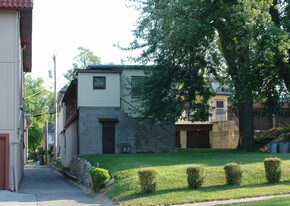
column 283, row 147
column 41, row 159
column 273, row 147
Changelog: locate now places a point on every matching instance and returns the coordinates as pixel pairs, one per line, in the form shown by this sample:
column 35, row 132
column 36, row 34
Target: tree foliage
column 84, row 58
column 280, row 13
column 39, row 103
column 191, row 41
column 35, row 137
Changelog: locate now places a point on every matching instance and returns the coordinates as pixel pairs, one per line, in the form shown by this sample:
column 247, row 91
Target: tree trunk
column 35, row 156
column 246, row 129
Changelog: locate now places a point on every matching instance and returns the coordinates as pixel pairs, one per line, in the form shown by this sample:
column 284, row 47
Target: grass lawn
column 171, row 178
column 272, row 202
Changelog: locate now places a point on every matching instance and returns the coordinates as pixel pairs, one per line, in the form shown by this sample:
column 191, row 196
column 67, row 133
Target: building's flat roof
column 100, row 68
column 114, row 67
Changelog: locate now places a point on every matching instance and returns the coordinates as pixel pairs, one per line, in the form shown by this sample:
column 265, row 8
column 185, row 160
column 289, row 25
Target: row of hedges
column 195, row 175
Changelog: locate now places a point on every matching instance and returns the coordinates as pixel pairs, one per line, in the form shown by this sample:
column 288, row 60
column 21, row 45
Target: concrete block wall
column 152, row 138
column 141, row 137
column 224, row 134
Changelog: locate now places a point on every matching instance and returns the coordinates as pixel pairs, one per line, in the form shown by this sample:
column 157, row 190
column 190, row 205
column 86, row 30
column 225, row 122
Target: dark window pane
column 99, row 82
column 220, row 104
column 136, row 87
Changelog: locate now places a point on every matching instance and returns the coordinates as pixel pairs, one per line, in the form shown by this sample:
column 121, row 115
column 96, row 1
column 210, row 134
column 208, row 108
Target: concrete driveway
column 41, row 186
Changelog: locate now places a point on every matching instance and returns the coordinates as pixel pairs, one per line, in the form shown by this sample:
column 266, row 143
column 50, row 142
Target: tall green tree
column 84, row 58
column 39, row 103
column 190, row 40
column 280, row 13
column 251, row 45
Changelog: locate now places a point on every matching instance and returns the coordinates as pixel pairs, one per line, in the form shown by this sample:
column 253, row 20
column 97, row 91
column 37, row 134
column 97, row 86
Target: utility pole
column 55, row 110
column 46, row 143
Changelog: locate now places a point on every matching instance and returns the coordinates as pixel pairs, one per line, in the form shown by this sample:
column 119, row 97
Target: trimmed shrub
column 273, row 169
column 147, row 180
column 233, row 173
column 100, row 177
column 195, row 177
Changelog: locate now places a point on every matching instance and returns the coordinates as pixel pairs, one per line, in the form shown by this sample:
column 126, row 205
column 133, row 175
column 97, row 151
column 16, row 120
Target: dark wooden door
column 4, row 162
column 108, row 133
column 198, row 139
column 177, row 139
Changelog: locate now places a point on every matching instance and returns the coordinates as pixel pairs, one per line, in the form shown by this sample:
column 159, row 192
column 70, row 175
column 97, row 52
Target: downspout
column 78, row 140
column 78, row 119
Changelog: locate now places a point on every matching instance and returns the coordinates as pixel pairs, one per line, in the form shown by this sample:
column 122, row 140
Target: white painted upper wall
column 214, row 117
column 109, row 97
column 7, row 36
column 11, row 75
column 7, row 91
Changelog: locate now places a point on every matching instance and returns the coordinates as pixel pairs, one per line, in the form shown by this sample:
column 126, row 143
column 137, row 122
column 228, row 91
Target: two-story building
column 99, row 115
column 219, row 130
column 15, row 58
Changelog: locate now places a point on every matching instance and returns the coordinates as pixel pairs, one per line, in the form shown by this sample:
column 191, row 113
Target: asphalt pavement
column 41, row 186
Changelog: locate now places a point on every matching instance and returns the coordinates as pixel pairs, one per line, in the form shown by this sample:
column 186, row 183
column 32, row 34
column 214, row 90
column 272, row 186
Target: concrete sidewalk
column 16, row 199
column 41, row 186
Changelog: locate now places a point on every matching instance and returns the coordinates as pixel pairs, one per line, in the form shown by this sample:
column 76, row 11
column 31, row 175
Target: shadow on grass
column 209, row 189
column 206, row 157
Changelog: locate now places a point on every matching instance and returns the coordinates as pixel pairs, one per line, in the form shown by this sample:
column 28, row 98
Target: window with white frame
column 220, row 110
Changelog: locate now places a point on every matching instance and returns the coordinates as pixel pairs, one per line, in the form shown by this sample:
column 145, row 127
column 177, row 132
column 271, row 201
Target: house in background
column 99, row 115
column 15, row 58
column 219, row 130
column 50, row 136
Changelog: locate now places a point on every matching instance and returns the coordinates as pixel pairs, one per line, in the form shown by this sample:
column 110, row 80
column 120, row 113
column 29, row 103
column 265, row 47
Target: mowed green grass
column 171, row 178
column 279, row 201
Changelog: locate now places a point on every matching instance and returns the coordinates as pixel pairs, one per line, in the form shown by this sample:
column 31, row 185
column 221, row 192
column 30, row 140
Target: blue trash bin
column 283, row 147
column 273, row 147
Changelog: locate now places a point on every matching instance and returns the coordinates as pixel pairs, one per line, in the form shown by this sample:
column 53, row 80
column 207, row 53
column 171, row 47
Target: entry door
column 4, row 178
column 108, row 133
column 177, row 139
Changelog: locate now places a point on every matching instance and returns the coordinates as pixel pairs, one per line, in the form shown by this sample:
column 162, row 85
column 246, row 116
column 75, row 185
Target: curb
column 232, row 201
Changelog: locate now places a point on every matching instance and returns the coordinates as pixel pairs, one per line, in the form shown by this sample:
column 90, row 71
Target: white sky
column 61, row 26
